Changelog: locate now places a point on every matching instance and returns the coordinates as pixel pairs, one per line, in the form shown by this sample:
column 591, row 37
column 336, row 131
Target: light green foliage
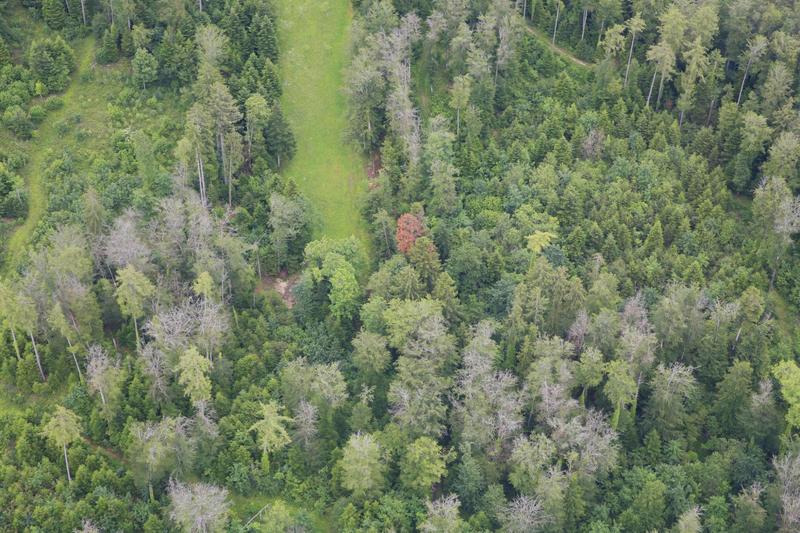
column 620, row 387
column 403, row 317
column 788, row 375
column 589, row 370
column 145, row 67
column 336, row 263
column 423, row 464
column 539, row 240
column 362, row 467
column 133, row 292
column 204, row 285
column 370, row 354
column 271, row 428
column 63, row 427
column 193, row 376
column 257, row 113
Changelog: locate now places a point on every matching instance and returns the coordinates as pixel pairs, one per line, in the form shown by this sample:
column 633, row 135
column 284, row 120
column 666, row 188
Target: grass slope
column 79, row 99
column 314, row 37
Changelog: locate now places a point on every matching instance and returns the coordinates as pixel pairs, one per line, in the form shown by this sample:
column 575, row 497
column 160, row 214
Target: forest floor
column 79, row 100
column 314, row 38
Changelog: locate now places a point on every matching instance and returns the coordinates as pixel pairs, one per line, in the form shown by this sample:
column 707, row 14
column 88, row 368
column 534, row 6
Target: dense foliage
column 575, row 306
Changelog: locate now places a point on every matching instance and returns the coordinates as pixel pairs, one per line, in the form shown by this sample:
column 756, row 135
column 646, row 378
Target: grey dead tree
column 198, row 507
column 489, row 403
column 787, row 468
column 101, row 372
column 396, row 58
column 523, row 514
column 123, row 246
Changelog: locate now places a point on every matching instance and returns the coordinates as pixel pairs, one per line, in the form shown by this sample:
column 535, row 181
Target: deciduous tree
column 62, row 429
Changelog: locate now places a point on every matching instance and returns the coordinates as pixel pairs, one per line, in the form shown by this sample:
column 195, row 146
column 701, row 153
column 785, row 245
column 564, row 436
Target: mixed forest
column 446, row 266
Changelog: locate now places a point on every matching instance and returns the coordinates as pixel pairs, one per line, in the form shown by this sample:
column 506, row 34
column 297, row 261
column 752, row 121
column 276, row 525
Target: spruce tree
column 281, row 144
column 53, row 14
column 264, row 42
column 108, row 49
column 5, row 54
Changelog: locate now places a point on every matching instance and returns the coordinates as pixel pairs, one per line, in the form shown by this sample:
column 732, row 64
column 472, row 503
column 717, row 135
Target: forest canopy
column 569, row 301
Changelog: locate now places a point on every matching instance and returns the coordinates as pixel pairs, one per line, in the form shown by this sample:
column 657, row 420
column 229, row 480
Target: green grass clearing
column 314, row 37
column 82, row 99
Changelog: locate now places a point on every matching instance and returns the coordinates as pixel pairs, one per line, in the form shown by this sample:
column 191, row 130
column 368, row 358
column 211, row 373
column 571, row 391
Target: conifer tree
column 53, row 14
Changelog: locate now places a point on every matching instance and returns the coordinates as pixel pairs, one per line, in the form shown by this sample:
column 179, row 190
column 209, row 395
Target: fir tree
column 53, row 14
column 264, row 42
column 108, row 49
column 281, row 144
column 5, row 54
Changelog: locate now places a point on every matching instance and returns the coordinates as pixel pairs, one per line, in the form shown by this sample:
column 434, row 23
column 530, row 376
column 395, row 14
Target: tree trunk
column 221, row 146
column 83, row 11
column 36, row 353
column 635, row 403
column 744, row 79
column 710, row 111
column 583, row 24
column 458, row 121
column 524, row 9
column 16, row 344
column 650, row 93
column 136, row 330
column 680, row 120
column 600, row 35
column 77, row 366
column 630, row 57
column 555, row 26
column 66, row 4
column 249, row 144
column 774, row 272
column 200, row 175
column 66, row 462
column 660, row 90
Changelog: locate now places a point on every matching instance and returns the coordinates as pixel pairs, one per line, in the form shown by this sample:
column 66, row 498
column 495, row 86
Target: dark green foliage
column 281, row 145
column 51, row 60
column 264, row 41
column 5, row 54
column 54, row 14
column 109, row 46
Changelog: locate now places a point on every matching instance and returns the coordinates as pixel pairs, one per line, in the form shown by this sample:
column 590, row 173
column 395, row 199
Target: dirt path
column 566, row 54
